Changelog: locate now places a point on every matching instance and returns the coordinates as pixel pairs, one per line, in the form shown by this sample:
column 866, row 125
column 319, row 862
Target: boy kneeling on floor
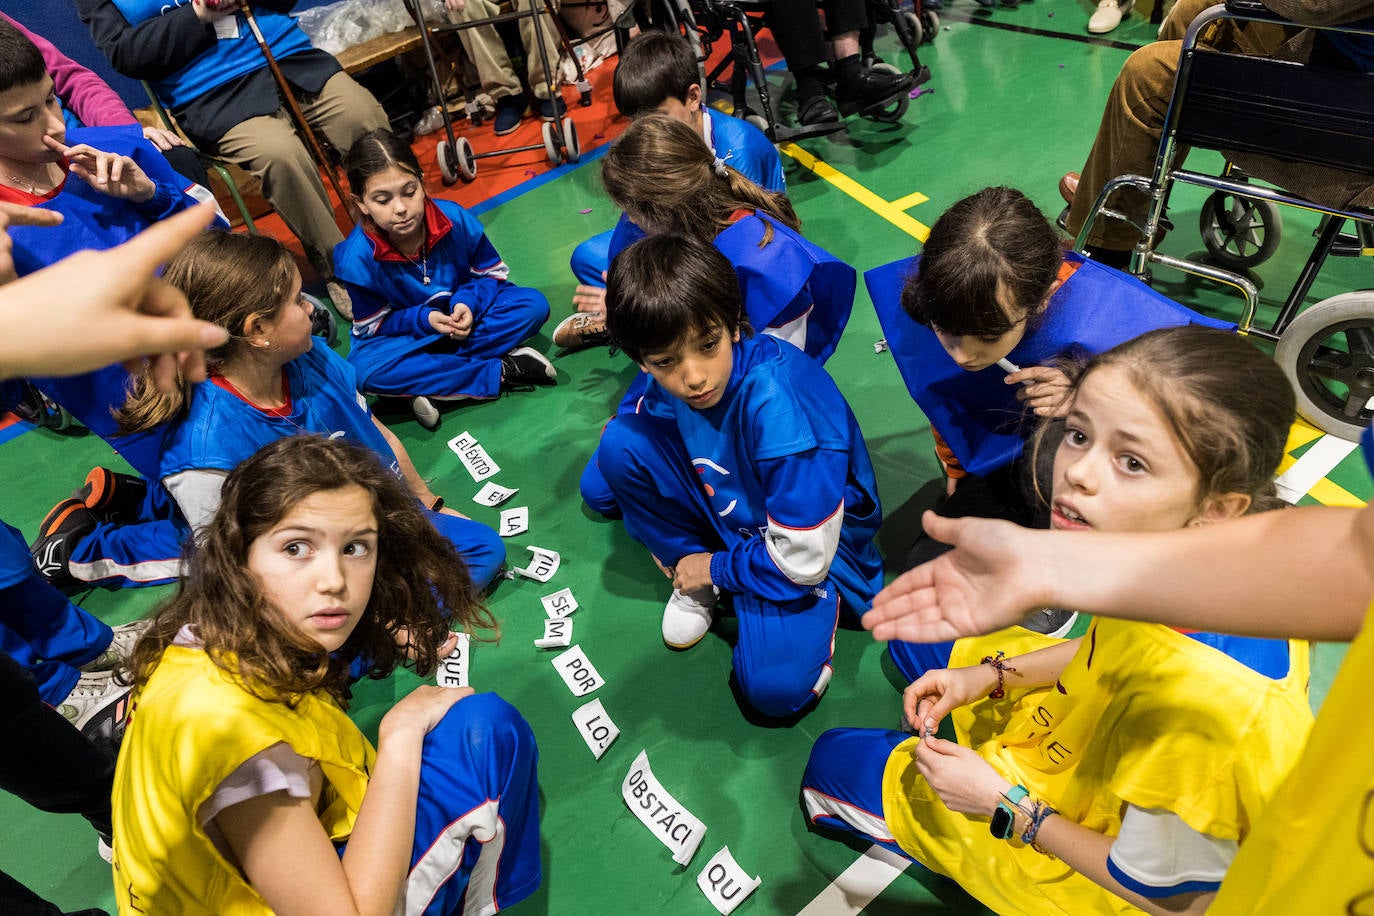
column 759, row 485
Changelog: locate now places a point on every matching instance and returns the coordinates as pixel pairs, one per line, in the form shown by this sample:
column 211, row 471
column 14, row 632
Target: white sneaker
column 98, row 705
column 343, row 303
column 1108, row 15
column 425, row 412
column 688, row 616
column 120, row 648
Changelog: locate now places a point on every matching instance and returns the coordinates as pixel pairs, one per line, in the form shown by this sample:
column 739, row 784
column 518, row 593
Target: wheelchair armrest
column 1252, row 9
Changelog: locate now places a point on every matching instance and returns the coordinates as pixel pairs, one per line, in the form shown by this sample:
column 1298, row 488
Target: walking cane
column 297, row 115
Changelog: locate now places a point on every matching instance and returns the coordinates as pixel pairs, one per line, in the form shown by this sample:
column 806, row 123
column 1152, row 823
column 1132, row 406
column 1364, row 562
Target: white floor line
column 858, row 885
column 1318, row 461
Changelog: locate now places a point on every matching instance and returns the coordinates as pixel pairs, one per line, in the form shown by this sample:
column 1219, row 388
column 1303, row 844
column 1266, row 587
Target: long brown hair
column 1228, row 405
column 664, row 176
column 421, row 585
column 229, row 279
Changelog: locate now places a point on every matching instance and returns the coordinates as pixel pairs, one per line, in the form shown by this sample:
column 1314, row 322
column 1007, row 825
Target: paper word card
column 474, row 458
column 453, row 671
column 514, row 521
column 595, row 727
column 675, row 826
column 724, row 883
column 577, row 672
column 557, row 634
column 493, row 494
column 560, row 604
column 542, row 565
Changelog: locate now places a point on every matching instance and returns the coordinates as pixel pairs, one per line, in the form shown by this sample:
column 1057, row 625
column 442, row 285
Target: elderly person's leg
column 269, row 148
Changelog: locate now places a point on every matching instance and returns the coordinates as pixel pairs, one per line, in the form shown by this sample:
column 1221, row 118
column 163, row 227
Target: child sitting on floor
column 435, row 316
column 1123, row 769
column 658, row 73
column 272, row 379
column 242, row 785
column 976, row 323
column 757, row 485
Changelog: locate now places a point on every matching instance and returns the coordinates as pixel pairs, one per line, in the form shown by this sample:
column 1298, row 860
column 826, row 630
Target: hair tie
column 719, row 166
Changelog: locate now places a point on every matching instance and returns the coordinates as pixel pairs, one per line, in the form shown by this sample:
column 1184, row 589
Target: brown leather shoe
column 1068, row 186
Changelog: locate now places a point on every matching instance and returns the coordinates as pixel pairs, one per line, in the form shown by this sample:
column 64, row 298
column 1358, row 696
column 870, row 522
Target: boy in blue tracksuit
column 758, row 485
column 658, row 72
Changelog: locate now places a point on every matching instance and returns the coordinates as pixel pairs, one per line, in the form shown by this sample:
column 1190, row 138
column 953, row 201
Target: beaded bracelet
column 1001, row 668
column 1039, row 813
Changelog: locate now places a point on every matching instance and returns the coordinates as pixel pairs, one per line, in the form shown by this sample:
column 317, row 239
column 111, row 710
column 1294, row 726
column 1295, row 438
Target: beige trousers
column 270, row 148
column 488, row 52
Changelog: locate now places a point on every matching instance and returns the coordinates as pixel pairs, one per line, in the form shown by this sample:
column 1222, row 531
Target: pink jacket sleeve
column 88, row 96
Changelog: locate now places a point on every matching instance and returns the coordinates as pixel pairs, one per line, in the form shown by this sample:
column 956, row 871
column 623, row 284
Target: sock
column 808, row 85
column 848, row 70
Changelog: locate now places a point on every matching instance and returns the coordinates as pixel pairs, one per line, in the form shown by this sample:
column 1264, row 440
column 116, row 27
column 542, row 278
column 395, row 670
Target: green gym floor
column 1014, row 99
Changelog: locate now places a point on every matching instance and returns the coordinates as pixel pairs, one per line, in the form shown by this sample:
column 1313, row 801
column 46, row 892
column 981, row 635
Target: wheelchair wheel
column 758, row 121
column 457, row 161
column 1328, row 355
column 553, row 143
column 572, row 149
column 893, row 111
column 918, row 30
column 1239, row 232
column 930, row 20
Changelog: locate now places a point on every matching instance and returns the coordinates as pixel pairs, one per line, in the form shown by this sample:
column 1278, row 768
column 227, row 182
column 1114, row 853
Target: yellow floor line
column 886, row 209
column 914, row 199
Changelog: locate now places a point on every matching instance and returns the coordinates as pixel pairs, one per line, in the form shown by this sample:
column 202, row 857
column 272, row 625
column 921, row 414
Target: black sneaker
column 322, row 321
column 40, row 410
column 526, row 366
column 510, row 111
column 1051, row 621
column 68, row 522
column 872, row 88
column 111, row 496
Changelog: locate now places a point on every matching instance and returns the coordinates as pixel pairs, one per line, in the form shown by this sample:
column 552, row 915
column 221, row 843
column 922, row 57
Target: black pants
column 796, row 27
column 50, row 765
column 1006, row 493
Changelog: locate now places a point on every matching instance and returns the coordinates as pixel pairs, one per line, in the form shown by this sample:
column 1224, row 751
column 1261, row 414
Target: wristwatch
column 1004, row 815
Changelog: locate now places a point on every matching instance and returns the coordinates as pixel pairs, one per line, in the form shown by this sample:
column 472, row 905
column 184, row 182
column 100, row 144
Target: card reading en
column 493, row 494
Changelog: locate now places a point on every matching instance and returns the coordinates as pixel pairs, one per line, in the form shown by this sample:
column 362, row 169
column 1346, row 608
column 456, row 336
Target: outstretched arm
column 1305, row 573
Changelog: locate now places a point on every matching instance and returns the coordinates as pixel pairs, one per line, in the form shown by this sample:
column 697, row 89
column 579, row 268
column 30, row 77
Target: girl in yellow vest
column 1118, row 772
column 243, row 787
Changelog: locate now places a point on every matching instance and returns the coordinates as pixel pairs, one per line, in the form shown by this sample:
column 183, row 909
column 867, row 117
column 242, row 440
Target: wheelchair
column 704, row 22
column 1303, row 113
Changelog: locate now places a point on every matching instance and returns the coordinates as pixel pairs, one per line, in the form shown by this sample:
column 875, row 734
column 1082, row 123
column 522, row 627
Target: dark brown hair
column 664, row 288
column 21, row 63
column 654, row 67
column 421, row 585
column 375, row 152
column 1228, row 405
column 663, row 175
column 989, row 249
column 229, row 279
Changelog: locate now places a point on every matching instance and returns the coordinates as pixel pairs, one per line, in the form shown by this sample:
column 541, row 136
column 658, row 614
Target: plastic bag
column 342, row 25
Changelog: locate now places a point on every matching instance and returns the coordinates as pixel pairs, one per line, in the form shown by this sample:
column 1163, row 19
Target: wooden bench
column 379, row 49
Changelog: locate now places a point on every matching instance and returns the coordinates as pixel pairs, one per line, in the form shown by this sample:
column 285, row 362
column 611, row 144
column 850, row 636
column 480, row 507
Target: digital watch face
column 1001, row 823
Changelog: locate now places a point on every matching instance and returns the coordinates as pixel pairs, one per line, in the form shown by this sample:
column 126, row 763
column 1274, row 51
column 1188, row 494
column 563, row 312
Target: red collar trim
column 283, row 411
column 742, row 213
column 437, row 225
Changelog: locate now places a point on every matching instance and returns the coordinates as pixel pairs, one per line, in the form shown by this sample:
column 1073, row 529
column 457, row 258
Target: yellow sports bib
column 1142, row 715
column 1313, row 851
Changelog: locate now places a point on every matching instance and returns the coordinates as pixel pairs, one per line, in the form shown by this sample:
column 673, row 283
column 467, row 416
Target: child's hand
column 455, row 5
column 1044, row 390
column 693, row 572
column 456, row 326
column 112, row 175
column 590, row 299
column 208, row 11
column 419, row 711
column 965, row 782
column 930, row 697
